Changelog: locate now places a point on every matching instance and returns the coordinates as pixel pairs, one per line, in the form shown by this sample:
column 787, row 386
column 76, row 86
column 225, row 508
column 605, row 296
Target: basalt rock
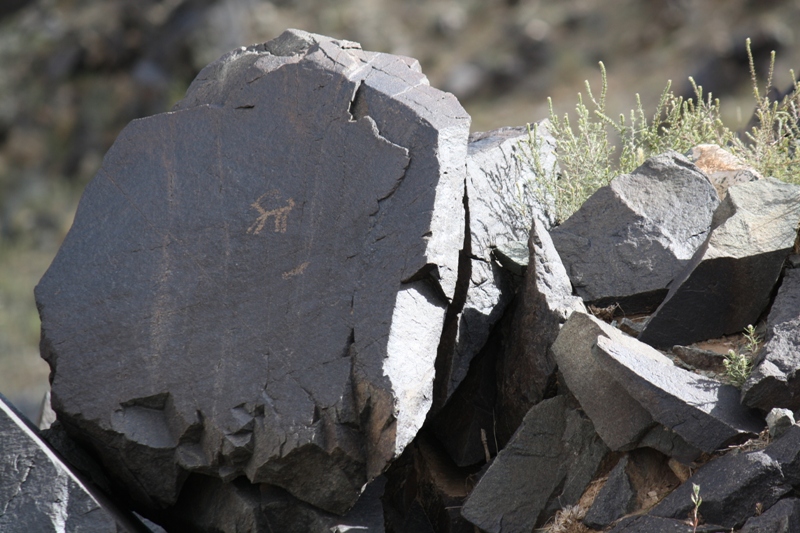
column 526, row 370
column 730, row 486
column 729, row 282
column 783, row 517
column 775, row 382
column 255, row 283
column 39, row 492
column 503, row 198
column 632, row 237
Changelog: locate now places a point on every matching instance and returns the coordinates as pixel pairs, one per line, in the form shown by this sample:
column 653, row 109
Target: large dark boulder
column 632, row 237
column 775, row 382
column 729, row 282
column 255, row 283
column 783, row 517
column 40, row 493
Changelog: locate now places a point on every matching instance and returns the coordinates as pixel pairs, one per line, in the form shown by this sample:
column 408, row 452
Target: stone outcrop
column 258, row 289
column 775, row 381
column 783, row 517
column 631, row 238
column 730, row 279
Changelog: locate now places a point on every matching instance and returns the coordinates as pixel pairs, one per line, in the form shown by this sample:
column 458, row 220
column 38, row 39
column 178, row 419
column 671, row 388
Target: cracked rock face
column 38, row 492
column 632, row 237
column 255, row 283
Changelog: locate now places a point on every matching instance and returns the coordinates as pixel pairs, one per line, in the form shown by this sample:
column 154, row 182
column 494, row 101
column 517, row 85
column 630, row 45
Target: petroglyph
column 281, row 214
column 295, row 271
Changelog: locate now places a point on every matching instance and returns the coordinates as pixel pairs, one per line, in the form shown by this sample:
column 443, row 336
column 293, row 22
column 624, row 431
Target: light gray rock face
column 730, row 279
column 631, row 238
column 255, row 283
column 722, row 167
column 547, row 465
column 704, row 412
column 527, row 368
column 783, row 517
column 730, row 486
column 775, row 382
column 38, row 492
column 504, row 196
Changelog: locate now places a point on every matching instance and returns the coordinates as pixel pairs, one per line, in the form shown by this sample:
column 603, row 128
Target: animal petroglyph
column 295, row 271
column 281, row 214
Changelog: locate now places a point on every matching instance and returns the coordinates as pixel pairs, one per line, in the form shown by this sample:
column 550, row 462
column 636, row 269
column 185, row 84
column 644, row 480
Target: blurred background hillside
column 73, row 73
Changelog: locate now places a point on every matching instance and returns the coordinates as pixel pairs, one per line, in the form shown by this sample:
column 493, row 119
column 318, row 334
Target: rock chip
column 730, row 279
column 39, row 492
column 778, row 421
column 704, row 412
column 730, row 486
column 255, row 283
column 547, row 465
column 774, row 381
column 632, row 237
column 783, row 517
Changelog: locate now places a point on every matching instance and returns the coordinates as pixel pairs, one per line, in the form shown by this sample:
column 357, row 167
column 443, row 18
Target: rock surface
column 39, row 492
column 702, row 411
column 616, row 499
column 631, row 238
column 728, row 283
column 775, row 382
column 548, row 464
column 259, row 289
column 730, row 486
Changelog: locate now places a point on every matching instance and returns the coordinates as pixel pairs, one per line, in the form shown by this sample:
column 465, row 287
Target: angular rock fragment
column 779, row 421
column 525, row 373
column 704, row 412
column 503, row 199
column 547, row 465
column 255, row 283
column 513, row 256
column 786, row 451
column 722, row 168
column 207, row 505
column 39, row 492
column 730, row 279
column 618, row 418
column 616, row 499
column 783, row 517
column 730, row 486
column 775, row 382
column 631, row 238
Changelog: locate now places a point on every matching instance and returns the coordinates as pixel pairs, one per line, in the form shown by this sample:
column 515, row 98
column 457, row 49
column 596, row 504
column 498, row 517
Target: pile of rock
column 297, row 302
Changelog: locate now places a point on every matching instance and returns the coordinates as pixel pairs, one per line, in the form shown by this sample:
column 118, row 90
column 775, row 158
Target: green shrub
column 587, row 160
